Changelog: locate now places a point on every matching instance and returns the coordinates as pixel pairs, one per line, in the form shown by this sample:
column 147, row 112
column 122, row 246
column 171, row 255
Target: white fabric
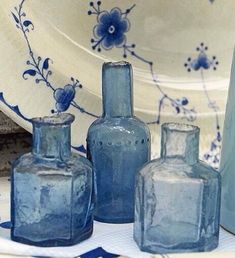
column 114, row 238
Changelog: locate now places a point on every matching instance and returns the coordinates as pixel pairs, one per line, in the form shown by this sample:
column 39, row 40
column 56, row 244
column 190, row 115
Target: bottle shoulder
column 119, row 125
column 164, row 168
column 28, row 163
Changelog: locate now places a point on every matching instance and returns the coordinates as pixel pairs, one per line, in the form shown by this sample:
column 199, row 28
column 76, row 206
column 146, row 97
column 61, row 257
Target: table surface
column 114, row 238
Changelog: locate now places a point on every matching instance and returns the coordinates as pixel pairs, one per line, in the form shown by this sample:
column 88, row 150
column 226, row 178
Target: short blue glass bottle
column 177, row 197
column 51, row 191
column 118, row 145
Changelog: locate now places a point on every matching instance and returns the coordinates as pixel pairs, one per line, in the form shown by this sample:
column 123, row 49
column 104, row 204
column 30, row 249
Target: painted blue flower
column 111, row 28
column 64, row 97
column 202, row 61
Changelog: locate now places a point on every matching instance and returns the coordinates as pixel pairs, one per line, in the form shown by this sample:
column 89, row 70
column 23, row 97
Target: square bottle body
column 177, row 208
column 51, row 201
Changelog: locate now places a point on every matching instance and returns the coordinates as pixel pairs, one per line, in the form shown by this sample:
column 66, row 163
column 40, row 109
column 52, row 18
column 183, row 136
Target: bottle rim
column 57, row 119
column 180, row 127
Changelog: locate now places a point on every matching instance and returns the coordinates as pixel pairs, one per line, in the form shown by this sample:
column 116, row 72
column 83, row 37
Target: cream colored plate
column 180, row 50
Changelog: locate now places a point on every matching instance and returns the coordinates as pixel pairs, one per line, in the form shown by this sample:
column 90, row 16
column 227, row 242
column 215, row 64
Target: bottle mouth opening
column 58, row 119
column 177, row 127
column 116, row 64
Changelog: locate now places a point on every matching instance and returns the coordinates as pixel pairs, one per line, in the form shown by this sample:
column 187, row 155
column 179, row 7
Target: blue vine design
column 40, row 69
column 13, row 108
column 16, row 110
column 200, row 63
column 110, row 31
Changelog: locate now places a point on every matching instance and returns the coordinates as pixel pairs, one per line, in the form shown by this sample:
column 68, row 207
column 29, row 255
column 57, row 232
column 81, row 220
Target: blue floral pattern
column 40, row 69
column 201, row 63
column 111, row 27
column 110, row 31
column 13, row 108
column 64, row 96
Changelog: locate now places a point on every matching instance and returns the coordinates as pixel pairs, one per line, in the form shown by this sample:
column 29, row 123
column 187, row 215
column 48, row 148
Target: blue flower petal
column 108, row 42
column 203, row 61
column 195, row 65
column 116, row 15
column 111, row 28
column 63, row 97
column 124, row 25
column 61, row 107
column 104, row 17
column 100, row 30
column 120, row 41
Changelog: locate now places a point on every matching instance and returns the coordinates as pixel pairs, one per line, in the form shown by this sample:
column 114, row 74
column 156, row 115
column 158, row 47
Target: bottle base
column 212, row 243
column 55, row 242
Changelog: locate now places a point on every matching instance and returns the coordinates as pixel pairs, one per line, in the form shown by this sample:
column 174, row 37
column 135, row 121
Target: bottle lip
column 181, row 128
column 58, row 119
column 116, row 64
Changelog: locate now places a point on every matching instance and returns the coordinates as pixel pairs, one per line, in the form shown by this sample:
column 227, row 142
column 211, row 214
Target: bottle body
column 177, row 201
column 117, row 148
column 51, row 198
column 227, row 163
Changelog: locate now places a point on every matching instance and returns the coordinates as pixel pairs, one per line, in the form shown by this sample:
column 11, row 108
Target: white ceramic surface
column 181, row 53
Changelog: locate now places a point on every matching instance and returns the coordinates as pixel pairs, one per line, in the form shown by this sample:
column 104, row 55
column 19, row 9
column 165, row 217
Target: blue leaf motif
column 30, row 72
column 6, row 225
column 45, row 65
column 80, row 148
column 15, row 18
column 27, row 23
column 177, row 109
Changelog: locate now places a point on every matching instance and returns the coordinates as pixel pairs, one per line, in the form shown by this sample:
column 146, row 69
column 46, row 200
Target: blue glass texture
column 118, row 146
column 177, row 197
column 51, row 192
column 227, row 164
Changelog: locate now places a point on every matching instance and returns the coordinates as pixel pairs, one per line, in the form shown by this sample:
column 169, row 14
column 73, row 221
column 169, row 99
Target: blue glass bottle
column 118, row 145
column 51, row 192
column 177, row 197
column 227, row 163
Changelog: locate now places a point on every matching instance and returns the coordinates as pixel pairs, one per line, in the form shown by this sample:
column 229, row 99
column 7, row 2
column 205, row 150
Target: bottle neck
column 180, row 141
column 117, row 90
column 52, row 140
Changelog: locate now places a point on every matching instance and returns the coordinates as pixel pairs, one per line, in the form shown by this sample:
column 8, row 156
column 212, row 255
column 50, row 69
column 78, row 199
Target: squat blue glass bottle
column 51, row 192
column 177, row 197
column 118, row 145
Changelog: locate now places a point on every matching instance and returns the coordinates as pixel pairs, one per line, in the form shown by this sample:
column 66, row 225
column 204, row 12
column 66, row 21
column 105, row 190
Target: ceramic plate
column 51, row 54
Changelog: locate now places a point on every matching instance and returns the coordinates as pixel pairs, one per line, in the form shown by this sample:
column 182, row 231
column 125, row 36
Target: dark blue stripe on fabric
column 98, row 252
column 6, row 225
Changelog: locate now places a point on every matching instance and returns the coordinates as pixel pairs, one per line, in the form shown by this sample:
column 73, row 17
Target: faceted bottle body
column 177, row 197
column 51, row 194
column 118, row 145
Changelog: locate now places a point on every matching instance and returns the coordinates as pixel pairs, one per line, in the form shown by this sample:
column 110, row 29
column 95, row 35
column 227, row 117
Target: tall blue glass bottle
column 118, row 145
column 51, row 192
column 177, row 197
